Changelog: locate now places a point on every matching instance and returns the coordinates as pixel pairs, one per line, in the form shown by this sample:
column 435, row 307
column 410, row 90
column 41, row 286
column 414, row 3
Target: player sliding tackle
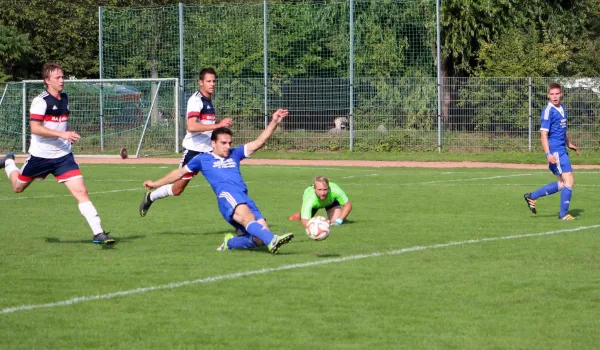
column 221, row 168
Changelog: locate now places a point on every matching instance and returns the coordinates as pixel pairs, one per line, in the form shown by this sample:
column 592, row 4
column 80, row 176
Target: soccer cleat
column 278, row 241
column 294, row 216
column 530, row 202
column 223, row 247
column 3, row 160
column 103, row 238
column 568, row 217
column 145, row 205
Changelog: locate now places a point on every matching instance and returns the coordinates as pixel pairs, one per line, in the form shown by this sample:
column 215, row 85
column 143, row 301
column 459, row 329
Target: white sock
column 91, row 215
column 9, row 167
column 162, row 192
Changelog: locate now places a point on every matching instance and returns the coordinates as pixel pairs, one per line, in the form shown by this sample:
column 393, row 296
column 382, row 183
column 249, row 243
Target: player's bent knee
column 177, row 192
column 179, row 187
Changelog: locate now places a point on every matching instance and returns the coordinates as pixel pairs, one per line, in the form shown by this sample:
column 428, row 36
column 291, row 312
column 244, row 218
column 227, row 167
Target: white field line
column 276, row 269
column 437, row 182
column 285, row 182
column 533, row 186
column 355, row 176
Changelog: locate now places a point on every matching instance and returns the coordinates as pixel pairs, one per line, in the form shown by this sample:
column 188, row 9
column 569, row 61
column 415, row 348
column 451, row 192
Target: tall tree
column 14, row 50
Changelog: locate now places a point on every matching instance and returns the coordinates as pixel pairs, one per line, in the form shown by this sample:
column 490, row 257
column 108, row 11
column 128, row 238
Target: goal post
column 110, row 114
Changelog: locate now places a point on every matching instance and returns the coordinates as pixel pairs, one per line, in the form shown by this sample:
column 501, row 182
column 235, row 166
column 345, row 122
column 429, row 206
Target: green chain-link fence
column 310, row 65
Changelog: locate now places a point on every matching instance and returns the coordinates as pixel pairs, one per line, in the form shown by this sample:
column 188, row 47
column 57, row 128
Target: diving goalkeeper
column 324, row 194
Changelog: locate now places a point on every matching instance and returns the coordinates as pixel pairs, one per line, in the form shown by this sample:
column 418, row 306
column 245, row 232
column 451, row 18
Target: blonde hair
column 322, row 179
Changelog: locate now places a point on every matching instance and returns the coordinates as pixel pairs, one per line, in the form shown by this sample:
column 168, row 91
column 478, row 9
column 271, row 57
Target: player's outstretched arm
column 171, row 177
column 262, row 139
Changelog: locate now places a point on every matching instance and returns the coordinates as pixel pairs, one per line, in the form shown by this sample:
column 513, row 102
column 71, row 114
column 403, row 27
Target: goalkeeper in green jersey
column 324, row 194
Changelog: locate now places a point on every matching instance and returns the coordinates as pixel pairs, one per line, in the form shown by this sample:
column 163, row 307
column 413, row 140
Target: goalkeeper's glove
column 337, row 222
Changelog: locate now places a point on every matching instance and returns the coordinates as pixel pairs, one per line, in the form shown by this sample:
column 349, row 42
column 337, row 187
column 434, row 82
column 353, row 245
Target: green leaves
column 14, row 50
column 521, row 38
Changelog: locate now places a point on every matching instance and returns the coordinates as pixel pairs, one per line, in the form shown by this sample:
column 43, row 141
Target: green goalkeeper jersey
column 310, row 200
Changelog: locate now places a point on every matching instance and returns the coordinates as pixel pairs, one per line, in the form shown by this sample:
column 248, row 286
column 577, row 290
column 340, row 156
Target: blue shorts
column 187, row 157
column 229, row 200
column 64, row 168
column 563, row 165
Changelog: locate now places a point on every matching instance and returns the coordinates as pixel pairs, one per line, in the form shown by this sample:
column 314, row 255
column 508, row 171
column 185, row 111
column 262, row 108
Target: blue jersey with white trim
column 554, row 121
column 223, row 174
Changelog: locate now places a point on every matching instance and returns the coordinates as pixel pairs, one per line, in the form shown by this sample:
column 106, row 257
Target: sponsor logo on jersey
column 224, row 163
column 56, row 119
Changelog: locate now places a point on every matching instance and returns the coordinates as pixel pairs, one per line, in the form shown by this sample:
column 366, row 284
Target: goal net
column 141, row 115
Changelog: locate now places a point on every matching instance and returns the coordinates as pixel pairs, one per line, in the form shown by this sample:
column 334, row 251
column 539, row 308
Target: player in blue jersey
column 221, row 168
column 555, row 143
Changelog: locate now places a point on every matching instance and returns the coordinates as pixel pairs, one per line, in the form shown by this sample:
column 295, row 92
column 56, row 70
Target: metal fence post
column 530, row 113
column 101, row 68
column 266, row 62
column 181, row 110
column 176, row 99
column 351, row 112
column 439, row 74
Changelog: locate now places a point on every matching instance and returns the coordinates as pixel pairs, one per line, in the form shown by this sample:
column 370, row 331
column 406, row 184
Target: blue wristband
column 548, row 154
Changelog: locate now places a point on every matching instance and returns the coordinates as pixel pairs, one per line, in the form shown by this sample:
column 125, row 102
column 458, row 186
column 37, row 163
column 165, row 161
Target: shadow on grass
column 327, row 255
column 89, row 241
column 181, row 233
column 574, row 212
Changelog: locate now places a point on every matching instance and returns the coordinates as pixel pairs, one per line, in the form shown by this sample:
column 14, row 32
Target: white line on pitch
column 281, row 268
column 437, row 181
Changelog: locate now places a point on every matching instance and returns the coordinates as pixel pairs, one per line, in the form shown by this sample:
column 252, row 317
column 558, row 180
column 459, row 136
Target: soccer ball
column 317, row 228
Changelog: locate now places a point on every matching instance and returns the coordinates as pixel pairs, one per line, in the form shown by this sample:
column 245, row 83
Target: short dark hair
column 48, row 68
column 219, row 131
column 554, row 86
column 205, row 71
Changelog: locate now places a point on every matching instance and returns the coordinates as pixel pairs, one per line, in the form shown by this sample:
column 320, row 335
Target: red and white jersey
column 202, row 108
column 54, row 114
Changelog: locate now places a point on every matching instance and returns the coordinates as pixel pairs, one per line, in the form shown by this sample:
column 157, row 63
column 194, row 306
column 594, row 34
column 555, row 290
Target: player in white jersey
column 50, row 150
column 201, row 120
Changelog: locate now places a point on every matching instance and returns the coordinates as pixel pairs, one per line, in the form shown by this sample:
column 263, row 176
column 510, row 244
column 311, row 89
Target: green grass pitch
column 429, row 258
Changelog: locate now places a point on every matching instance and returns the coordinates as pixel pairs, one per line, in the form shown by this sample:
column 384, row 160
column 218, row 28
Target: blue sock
column 545, row 190
column 565, row 200
column 256, row 230
column 241, row 242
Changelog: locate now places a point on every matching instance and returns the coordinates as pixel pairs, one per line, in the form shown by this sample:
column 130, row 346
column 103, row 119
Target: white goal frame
column 176, row 96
